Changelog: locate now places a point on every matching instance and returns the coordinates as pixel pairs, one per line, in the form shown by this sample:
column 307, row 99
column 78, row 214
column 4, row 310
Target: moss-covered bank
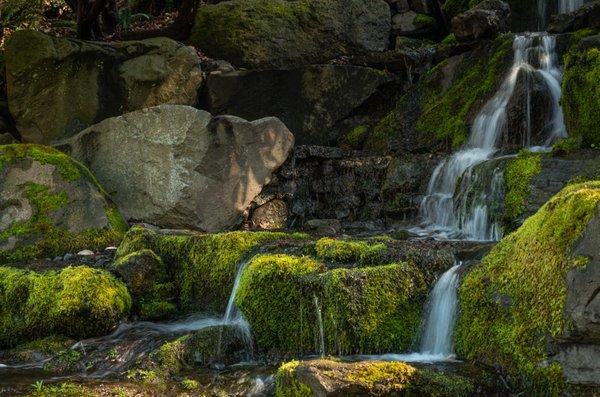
column 439, row 110
column 367, row 309
column 76, row 302
column 374, row 378
column 512, row 303
column 69, row 209
column 187, row 272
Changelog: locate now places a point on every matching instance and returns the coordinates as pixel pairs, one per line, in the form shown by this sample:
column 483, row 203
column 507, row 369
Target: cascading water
column 565, row 6
column 443, row 216
column 134, row 341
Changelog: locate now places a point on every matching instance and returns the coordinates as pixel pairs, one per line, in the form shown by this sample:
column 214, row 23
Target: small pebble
column 68, row 257
column 85, row 253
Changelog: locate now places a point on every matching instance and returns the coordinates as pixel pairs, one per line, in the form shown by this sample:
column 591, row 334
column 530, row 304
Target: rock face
column 311, row 101
column 58, row 87
column 486, row 20
column 588, row 16
column 278, row 33
column 178, row 167
column 51, row 205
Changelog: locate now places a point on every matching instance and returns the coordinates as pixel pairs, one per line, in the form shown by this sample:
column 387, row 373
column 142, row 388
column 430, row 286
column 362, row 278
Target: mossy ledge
column 364, row 310
column 77, row 302
column 40, row 235
column 193, row 271
column 373, row 378
column 511, row 305
column 517, row 179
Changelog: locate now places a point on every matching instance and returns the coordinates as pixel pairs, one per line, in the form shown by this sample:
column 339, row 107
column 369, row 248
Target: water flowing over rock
column 587, row 16
column 285, row 34
column 486, row 20
column 176, row 166
column 440, row 209
column 58, row 87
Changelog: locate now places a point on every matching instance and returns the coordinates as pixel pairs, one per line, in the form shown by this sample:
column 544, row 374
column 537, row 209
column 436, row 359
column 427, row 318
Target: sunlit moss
column 512, row 303
column 517, row 179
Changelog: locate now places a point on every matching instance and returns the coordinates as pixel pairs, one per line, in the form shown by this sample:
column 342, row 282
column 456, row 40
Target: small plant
column 126, row 17
column 38, row 386
column 189, row 384
column 113, row 354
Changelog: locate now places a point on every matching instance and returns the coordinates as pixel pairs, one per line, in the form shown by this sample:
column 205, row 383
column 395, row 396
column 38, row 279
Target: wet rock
column 216, row 345
column 50, row 205
column 580, row 363
column 486, row 20
column 178, row 167
column 271, row 215
column 311, row 101
column 529, row 112
column 58, row 87
column 366, row 378
column 324, row 226
column 286, row 34
column 588, row 16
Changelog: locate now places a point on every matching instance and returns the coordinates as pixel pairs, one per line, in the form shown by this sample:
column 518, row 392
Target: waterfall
column 439, row 330
column 443, row 216
column 232, row 314
column 565, row 6
column 320, row 325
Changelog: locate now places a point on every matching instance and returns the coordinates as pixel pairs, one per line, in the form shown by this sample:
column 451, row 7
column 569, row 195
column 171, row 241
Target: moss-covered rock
column 278, row 33
column 439, row 110
column 373, row 378
column 512, row 303
column 348, row 251
column 200, row 268
column 581, row 94
column 51, row 205
column 76, row 302
column 517, row 180
column 369, row 309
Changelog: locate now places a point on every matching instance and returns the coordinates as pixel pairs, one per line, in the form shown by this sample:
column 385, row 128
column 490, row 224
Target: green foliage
column 44, row 238
column 424, row 20
column 189, row 384
column 343, row 251
column 50, row 345
column 372, row 309
column 512, row 303
column 565, row 146
column 450, row 39
column 201, row 267
column 75, row 302
column 517, row 179
column 67, row 389
column 355, row 137
column 581, row 95
column 286, row 383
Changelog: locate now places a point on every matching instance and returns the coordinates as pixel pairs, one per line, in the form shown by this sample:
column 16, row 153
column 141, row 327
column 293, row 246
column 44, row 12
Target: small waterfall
column 439, row 330
column 565, row 6
column 320, row 325
column 442, row 214
column 232, row 314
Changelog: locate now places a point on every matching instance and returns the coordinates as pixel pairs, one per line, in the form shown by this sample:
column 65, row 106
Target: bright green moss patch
column 374, row 309
column 517, row 179
column 40, row 235
column 364, row 310
column 512, row 303
column 581, row 95
column 201, row 267
column 355, row 137
column 344, row 251
column 424, row 20
column 372, row 378
column 75, row 302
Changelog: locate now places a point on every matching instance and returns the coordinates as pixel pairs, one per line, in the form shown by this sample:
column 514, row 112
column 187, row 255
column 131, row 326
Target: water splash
column 446, row 217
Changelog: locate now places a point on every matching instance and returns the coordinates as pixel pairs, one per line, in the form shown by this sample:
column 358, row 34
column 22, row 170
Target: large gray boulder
column 485, row 20
column 311, row 101
column 283, row 34
column 57, row 87
column 178, row 167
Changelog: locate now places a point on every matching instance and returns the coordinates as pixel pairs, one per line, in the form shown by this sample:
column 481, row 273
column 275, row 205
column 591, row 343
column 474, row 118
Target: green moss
column 75, row 302
column 512, row 303
column 373, row 378
column 424, row 20
column 565, row 146
column 189, row 384
column 42, row 237
column 170, row 355
column 450, row 39
column 581, row 95
column 441, row 112
column 202, row 267
column 372, row 309
column 49, row 346
column 517, row 179
column 67, row 389
column 355, row 137
column 344, row 251
column 286, row 383
column 274, row 295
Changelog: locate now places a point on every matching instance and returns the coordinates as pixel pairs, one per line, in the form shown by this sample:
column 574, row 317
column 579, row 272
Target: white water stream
column 442, row 215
